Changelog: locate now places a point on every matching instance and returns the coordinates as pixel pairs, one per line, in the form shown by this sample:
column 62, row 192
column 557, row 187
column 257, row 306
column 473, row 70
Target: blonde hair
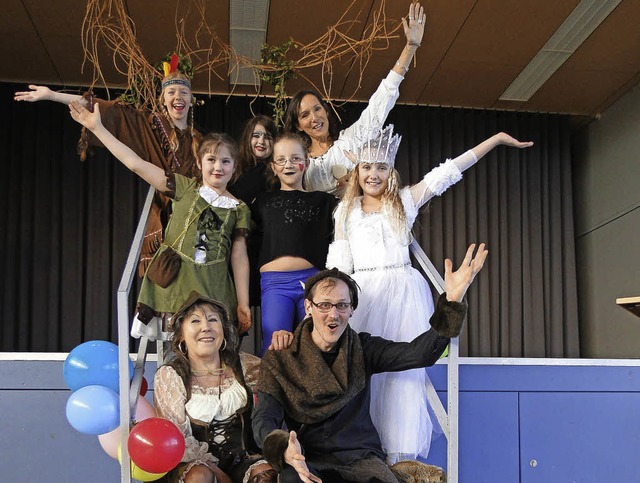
column 392, row 207
column 174, row 143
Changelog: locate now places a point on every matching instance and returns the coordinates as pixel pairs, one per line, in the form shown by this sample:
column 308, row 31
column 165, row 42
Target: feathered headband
column 170, row 68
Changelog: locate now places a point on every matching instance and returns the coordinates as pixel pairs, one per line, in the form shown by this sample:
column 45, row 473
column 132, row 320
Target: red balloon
column 156, row 445
column 144, row 387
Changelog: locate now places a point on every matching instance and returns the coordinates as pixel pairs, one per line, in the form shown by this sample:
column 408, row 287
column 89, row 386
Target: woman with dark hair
column 251, row 179
column 310, row 116
column 204, row 390
column 256, row 151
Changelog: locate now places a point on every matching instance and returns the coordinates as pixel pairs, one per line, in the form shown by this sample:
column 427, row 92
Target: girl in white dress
column 372, row 235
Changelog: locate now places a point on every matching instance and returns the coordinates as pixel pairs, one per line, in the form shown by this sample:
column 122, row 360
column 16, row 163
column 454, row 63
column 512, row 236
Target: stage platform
column 521, row 420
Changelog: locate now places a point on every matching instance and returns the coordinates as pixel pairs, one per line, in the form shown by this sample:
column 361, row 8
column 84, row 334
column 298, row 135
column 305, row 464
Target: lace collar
column 216, row 200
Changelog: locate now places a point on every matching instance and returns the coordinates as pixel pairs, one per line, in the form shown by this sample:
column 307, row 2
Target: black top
column 296, row 224
column 251, row 183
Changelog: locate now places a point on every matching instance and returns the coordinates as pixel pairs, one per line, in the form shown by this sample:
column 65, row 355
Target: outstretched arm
column 43, row 93
column 487, row 145
column 413, row 31
column 91, row 120
column 439, row 179
column 321, row 177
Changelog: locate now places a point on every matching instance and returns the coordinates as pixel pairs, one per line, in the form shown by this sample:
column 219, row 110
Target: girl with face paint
column 296, row 228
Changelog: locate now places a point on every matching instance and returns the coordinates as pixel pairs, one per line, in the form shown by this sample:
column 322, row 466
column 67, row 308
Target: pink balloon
column 110, row 441
column 144, row 410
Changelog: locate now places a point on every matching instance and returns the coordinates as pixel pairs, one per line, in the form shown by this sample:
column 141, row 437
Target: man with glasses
column 320, row 385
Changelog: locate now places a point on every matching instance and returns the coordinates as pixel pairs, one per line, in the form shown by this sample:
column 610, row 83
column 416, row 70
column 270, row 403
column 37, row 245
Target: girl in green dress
column 207, row 231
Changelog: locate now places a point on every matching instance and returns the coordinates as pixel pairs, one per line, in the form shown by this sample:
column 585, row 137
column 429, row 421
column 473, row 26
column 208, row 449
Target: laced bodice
column 206, row 405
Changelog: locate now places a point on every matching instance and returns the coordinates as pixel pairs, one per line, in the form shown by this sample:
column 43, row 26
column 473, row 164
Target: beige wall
column 607, row 217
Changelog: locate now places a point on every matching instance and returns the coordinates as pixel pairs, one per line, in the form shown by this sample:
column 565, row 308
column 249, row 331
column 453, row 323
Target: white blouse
column 206, row 404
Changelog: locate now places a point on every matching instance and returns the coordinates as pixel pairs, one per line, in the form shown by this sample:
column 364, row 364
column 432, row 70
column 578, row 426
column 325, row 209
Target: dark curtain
column 67, row 225
column 519, row 202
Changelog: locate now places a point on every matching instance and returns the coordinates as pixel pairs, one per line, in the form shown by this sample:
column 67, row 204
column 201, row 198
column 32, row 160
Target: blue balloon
column 93, row 362
column 94, row 410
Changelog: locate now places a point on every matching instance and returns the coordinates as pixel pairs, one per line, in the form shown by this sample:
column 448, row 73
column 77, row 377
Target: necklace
column 321, row 147
column 370, row 208
column 210, row 372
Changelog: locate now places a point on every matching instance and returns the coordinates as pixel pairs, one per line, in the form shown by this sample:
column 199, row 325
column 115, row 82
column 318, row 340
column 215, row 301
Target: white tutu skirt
column 397, row 304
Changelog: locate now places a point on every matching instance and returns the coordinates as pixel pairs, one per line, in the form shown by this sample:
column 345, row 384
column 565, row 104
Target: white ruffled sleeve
column 250, row 369
column 411, row 209
column 375, row 114
column 439, row 179
column 170, row 397
column 339, row 255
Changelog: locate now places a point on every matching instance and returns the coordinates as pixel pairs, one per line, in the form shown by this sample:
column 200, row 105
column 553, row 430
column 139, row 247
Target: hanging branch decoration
column 283, row 70
column 107, row 24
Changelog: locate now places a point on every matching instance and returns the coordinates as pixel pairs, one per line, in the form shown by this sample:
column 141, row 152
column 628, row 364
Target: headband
column 182, row 82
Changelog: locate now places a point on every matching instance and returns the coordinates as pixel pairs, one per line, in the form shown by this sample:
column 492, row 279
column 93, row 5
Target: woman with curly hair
column 205, row 391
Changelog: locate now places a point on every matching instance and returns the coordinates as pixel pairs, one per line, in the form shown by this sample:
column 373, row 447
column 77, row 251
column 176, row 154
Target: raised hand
column 350, row 156
column 90, row 120
column 37, row 93
column 456, row 283
column 414, row 24
column 293, row 456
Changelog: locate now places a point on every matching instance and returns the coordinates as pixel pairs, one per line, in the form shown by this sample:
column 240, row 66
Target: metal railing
column 448, row 419
column 130, row 389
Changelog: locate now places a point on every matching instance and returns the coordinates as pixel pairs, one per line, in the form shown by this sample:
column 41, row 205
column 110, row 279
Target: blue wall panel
column 488, row 438
column 580, row 423
column 37, row 443
column 582, row 437
column 39, row 446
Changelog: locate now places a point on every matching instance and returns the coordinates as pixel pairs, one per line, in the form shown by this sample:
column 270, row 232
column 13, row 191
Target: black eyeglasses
column 326, row 306
column 281, row 161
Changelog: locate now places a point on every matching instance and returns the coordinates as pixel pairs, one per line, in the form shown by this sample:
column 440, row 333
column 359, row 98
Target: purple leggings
column 282, row 301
